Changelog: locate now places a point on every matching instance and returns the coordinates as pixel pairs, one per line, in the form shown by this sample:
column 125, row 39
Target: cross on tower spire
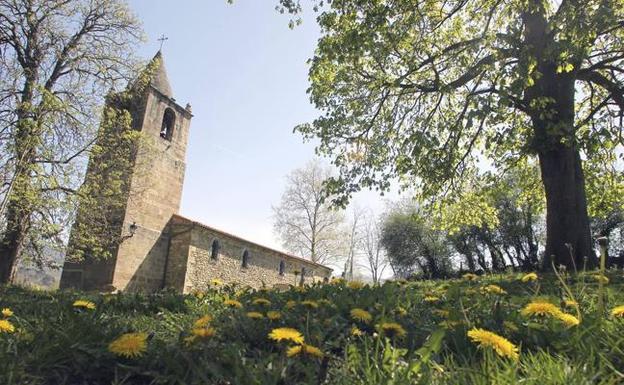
column 162, row 40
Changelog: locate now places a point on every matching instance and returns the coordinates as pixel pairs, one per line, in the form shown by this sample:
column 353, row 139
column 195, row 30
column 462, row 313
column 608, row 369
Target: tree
column 413, row 245
column 58, row 59
column 305, row 222
column 422, row 90
column 372, row 247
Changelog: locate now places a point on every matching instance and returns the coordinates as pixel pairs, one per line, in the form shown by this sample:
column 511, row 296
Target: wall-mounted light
column 133, row 228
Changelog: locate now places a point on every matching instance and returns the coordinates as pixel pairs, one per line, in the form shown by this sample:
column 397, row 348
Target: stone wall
column 263, row 267
column 156, row 194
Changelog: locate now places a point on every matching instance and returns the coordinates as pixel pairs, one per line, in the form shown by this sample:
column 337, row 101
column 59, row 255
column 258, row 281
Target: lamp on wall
column 133, row 228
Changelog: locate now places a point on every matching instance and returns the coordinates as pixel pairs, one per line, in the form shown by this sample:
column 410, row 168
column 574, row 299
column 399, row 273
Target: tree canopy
column 424, row 91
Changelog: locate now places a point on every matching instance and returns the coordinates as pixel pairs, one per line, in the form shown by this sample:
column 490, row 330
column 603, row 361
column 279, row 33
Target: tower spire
column 162, row 41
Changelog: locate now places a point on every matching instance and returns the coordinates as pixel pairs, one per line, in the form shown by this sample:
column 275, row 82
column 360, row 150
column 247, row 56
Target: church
column 160, row 248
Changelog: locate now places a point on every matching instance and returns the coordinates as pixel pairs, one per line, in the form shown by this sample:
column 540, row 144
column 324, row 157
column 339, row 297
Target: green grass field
column 397, row 333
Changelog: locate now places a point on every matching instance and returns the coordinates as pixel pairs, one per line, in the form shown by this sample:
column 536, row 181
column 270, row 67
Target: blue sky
column 245, row 74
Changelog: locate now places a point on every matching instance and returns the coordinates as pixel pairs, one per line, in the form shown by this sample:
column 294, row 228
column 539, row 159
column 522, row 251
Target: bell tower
column 155, row 192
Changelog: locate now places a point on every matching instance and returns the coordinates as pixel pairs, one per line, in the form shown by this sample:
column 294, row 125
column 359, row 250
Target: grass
column 55, row 342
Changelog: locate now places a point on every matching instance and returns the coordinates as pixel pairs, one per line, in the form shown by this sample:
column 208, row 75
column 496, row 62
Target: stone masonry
column 162, row 249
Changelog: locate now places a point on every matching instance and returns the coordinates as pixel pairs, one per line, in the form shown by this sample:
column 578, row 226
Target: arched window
column 168, row 122
column 282, row 267
column 215, row 249
column 245, row 258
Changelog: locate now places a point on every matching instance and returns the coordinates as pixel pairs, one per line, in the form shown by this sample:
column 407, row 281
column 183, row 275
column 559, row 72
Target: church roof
column 303, row 260
column 159, row 80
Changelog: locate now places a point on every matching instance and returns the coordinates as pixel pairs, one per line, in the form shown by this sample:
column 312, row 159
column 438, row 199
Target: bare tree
column 58, row 60
column 306, row 224
column 353, row 241
column 374, row 253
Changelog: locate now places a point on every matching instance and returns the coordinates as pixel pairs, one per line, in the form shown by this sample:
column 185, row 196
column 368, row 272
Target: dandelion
column 618, row 311
column 529, row 277
column 431, row 298
column 310, row 304
column 355, row 284
column 6, row 326
column 129, row 345
column 568, row 319
column 391, row 329
column 601, row 278
column 540, row 308
column 261, row 301
column 400, row 311
column 494, row 289
column 81, row 303
column 216, row 282
column 356, row 332
column 204, row 332
column 304, row 349
column 361, row 315
column 337, row 281
column 274, row 315
column 290, row 304
column 6, row 312
column 232, row 303
column 502, row 346
column 470, row 276
column 254, row 315
column 288, row 334
column 202, row 322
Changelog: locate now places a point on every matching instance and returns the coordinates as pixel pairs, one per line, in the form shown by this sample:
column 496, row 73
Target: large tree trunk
column 12, row 243
column 568, row 239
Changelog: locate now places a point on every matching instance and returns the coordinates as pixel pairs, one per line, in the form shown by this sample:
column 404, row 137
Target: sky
column 245, row 74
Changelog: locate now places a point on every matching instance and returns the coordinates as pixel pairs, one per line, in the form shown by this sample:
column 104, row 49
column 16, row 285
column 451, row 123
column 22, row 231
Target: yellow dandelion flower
column 288, row 334
column 529, row 277
column 431, row 298
column 618, row 311
column 290, row 304
column 261, row 301
column 216, row 282
column 570, row 303
column 540, row 308
column 304, row 349
column 356, row 331
column 202, row 322
column 129, row 345
column 355, row 284
column 337, row 281
column 494, row 289
column 510, row 326
column 81, row 303
column 601, row 278
column 502, row 346
column 361, row 315
column 232, row 303
column 254, row 315
column 274, row 315
column 470, row 277
column 310, row 304
column 391, row 329
column 7, row 312
column 568, row 319
column 6, row 326
column 400, row 311
column 203, row 332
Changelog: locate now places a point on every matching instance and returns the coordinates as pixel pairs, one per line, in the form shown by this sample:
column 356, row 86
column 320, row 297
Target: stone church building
column 160, row 248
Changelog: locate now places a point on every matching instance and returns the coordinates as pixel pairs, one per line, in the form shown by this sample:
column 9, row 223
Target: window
column 282, row 267
column 215, row 249
column 245, row 259
column 166, row 130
